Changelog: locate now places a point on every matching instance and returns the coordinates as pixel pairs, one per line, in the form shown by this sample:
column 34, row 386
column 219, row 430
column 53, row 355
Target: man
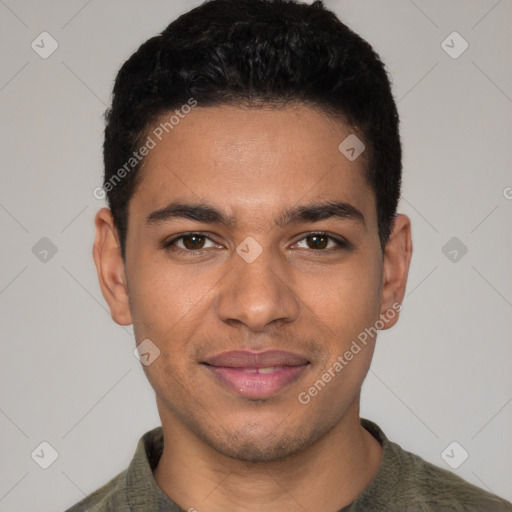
column 253, row 169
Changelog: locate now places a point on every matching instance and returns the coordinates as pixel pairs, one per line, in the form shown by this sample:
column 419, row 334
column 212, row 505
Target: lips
column 256, row 375
column 247, row 359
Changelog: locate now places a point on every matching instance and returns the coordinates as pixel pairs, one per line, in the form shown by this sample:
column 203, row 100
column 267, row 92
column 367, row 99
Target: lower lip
column 257, row 385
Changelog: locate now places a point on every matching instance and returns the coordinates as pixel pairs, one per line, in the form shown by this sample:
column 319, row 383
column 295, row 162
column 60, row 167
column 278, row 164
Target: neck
column 327, row 476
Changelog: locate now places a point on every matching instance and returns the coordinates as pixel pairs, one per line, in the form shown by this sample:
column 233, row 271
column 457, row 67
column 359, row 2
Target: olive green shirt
column 403, row 482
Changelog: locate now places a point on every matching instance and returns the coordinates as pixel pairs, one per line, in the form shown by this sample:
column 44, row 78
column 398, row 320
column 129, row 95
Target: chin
column 252, row 445
column 258, row 452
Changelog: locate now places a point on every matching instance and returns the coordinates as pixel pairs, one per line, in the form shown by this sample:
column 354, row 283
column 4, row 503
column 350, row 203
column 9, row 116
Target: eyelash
column 341, row 244
column 170, row 243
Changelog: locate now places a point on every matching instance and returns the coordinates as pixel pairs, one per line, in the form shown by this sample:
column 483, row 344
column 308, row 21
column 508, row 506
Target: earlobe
column 395, row 270
column 110, row 267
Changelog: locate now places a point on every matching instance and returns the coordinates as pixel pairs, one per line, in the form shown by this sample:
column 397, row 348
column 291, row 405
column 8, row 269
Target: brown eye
column 321, row 242
column 194, row 242
column 317, row 241
column 190, row 242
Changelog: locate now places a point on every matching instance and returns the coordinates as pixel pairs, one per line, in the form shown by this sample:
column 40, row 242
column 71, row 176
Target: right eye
column 191, row 242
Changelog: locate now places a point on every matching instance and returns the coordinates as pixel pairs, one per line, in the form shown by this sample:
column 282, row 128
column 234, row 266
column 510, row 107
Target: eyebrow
column 199, row 212
column 320, row 211
column 202, row 212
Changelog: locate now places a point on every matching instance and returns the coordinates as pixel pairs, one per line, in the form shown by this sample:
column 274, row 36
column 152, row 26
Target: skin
column 223, row 451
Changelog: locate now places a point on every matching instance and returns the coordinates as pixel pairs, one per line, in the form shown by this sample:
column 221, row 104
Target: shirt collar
column 144, row 495
column 142, row 492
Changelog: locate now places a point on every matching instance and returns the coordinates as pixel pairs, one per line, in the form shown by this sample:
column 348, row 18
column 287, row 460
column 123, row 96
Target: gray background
column 68, row 373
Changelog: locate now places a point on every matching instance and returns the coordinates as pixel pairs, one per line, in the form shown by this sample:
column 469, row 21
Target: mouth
column 256, row 375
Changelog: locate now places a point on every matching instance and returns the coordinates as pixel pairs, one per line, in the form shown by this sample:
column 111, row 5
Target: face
column 253, row 263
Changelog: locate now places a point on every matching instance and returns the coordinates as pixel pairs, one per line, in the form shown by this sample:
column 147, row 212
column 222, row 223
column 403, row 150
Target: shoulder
column 108, row 497
column 135, row 487
column 405, row 481
column 432, row 488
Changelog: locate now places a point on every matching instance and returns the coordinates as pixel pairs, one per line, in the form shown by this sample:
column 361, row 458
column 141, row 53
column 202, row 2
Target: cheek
column 346, row 299
column 359, row 296
column 164, row 300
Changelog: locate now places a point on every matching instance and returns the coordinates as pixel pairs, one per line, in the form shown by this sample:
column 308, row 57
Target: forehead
column 251, row 160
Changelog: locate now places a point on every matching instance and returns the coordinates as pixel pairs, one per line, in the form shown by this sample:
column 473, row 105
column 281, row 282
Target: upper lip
column 248, row 359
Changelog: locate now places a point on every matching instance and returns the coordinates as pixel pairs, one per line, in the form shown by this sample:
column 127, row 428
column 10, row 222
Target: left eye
column 319, row 241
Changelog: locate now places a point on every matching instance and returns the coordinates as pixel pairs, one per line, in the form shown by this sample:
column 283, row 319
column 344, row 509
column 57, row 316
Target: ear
column 110, row 267
column 395, row 269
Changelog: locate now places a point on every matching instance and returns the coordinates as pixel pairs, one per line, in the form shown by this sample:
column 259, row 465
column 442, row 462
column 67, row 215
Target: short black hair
column 254, row 53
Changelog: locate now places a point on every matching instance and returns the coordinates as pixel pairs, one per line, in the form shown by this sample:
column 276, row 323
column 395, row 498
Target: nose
column 258, row 294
